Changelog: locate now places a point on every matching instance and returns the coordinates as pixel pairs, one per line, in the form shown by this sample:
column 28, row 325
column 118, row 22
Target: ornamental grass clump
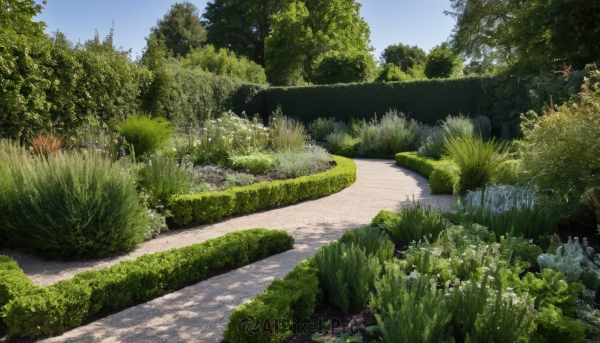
column 321, row 127
column 347, row 274
column 509, row 210
column 146, row 135
column 286, row 133
column 341, row 143
column 394, row 133
column 70, row 205
column 295, row 163
column 476, row 160
column 161, row 178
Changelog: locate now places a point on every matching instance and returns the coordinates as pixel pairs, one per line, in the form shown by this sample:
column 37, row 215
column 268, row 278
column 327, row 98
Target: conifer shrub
column 71, row 205
column 347, row 274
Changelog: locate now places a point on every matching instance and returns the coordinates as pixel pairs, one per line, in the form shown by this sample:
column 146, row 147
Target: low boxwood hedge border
column 66, row 304
column 442, row 175
column 212, row 206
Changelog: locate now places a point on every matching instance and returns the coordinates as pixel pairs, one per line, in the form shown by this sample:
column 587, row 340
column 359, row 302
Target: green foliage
column 553, row 326
column 394, row 133
column 256, row 162
column 343, row 67
column 67, row 303
column 477, row 161
column 161, row 178
column 374, row 242
column 13, row 281
column 360, row 101
column 224, row 62
column 391, row 73
column 404, row 56
column 508, row 173
column 442, row 174
column 211, row 206
column 320, row 128
column 347, row 274
column 295, row 298
column 562, row 154
column 285, row 132
column 416, row 223
column 181, row 28
column 458, row 127
column 410, row 310
column 443, row 63
column 482, row 126
column 433, row 142
column 71, row 205
column 144, row 134
column 304, row 30
column 296, row 163
column 549, row 288
column 524, row 254
column 342, row 143
column 239, row 180
column 509, row 211
column 385, row 219
column 241, row 25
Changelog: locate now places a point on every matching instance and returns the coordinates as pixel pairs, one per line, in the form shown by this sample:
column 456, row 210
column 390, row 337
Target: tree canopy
column 304, row 30
column 181, row 28
column 527, row 35
column 403, row 56
column 443, row 63
column 241, row 25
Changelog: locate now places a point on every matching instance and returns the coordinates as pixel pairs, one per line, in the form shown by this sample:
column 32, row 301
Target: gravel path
column 199, row 313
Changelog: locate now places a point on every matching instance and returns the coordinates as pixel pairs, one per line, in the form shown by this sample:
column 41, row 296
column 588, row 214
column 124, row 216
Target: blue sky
column 414, row 22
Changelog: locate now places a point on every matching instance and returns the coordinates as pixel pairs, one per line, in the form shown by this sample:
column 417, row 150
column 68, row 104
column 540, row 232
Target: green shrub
column 256, row 162
column 524, row 253
column 509, row 210
column 433, row 143
column 72, row 206
column 458, row 127
column 342, row 143
column 562, row 150
column 477, row 161
column 374, row 241
column 347, row 274
column 145, row 134
column 442, row 62
column 391, row 72
column 293, row 298
column 13, row 281
column 508, row 173
column 295, row 163
column 553, row 326
column 482, row 126
column 161, row 178
column 442, row 174
column 343, row 67
column 410, row 310
column 239, row 180
column 67, row 303
column 385, row 219
column 321, row 127
column 394, row 133
column 416, row 223
column 422, row 165
column 211, row 206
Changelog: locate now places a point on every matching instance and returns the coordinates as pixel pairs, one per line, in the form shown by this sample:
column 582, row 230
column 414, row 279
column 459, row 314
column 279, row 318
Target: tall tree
column 403, row 56
column 443, row 63
column 304, row 30
column 241, row 25
column 181, row 28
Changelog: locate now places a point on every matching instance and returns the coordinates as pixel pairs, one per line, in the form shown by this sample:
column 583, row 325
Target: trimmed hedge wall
column 13, row 281
column 212, row 206
column 293, row 298
column 425, row 100
column 442, row 175
column 51, row 309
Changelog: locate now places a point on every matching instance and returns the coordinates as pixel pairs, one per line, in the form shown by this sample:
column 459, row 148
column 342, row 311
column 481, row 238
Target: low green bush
column 416, row 223
column 13, row 281
column 321, row 127
column 384, row 138
column 211, row 206
column 294, row 298
column 145, row 134
column 72, row 205
column 67, row 303
column 385, row 219
column 373, row 240
column 256, row 162
column 347, row 274
column 305, row 162
column 162, row 178
column 342, row 143
column 433, row 142
column 441, row 181
column 508, row 173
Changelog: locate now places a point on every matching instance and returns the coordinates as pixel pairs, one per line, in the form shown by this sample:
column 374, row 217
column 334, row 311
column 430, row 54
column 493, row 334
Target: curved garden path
column 199, row 313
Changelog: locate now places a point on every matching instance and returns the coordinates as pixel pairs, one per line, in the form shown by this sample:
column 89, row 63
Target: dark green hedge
column 67, row 303
column 425, row 100
column 293, row 298
column 212, row 206
column 13, row 281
